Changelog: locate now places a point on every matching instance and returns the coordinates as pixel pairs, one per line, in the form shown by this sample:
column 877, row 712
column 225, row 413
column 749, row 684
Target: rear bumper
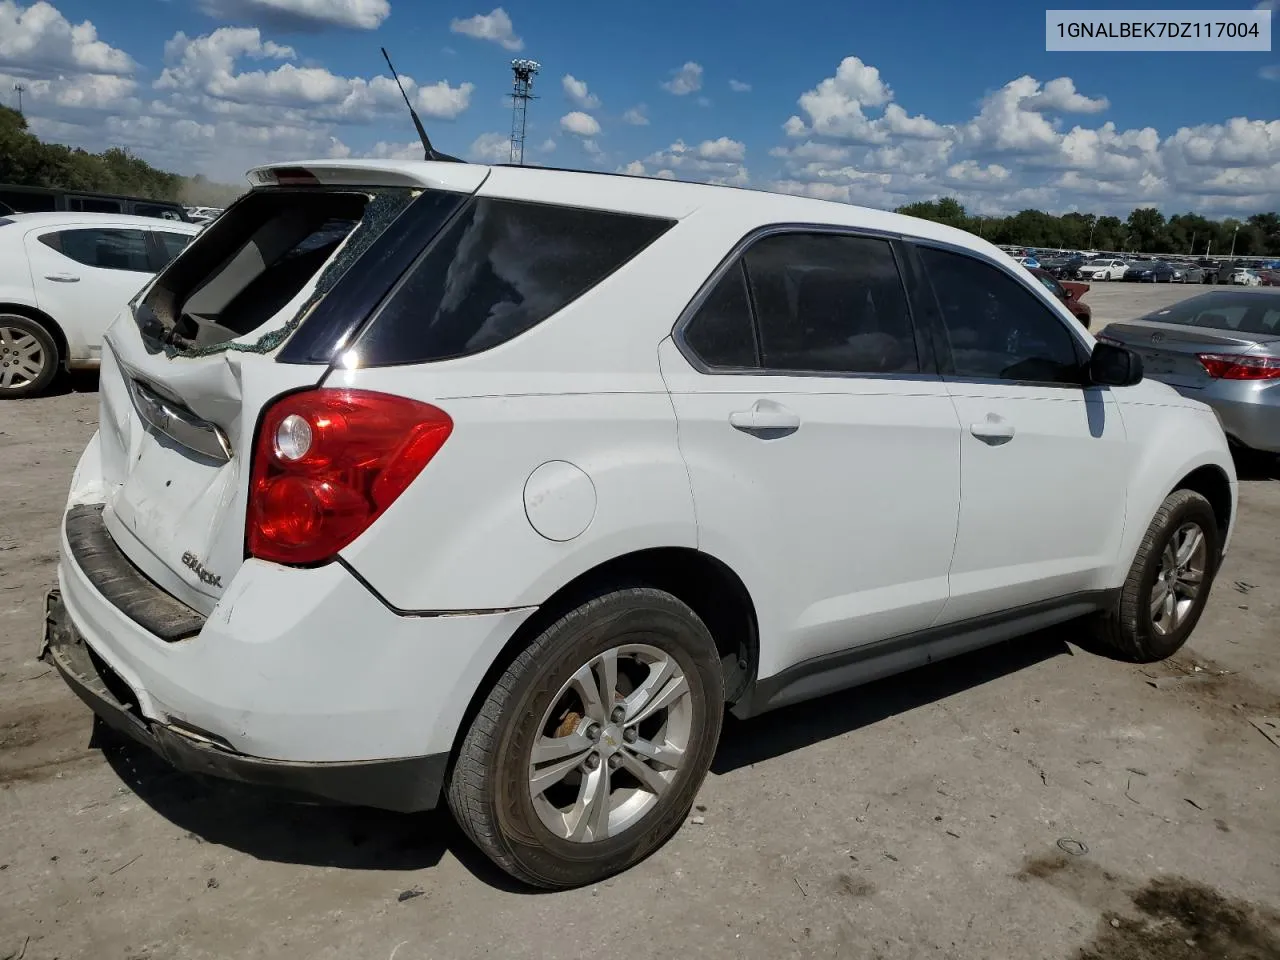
column 406, row 784
column 1249, row 411
column 296, row 678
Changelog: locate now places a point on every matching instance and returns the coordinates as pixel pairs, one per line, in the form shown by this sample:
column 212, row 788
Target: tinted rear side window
column 500, row 268
column 722, row 333
column 108, row 249
column 828, row 303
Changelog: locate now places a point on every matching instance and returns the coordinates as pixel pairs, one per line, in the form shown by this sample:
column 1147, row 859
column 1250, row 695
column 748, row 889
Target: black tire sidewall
column 47, row 344
column 1198, row 510
column 675, row 630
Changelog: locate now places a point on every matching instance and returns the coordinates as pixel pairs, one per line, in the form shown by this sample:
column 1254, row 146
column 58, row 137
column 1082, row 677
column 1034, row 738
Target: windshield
column 1257, row 314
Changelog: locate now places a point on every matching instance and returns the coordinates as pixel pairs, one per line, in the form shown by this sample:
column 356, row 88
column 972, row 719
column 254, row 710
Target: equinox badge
column 206, row 576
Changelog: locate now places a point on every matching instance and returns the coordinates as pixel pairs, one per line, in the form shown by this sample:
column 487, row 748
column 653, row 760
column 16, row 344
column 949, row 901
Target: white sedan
column 63, row 279
column 1103, row 270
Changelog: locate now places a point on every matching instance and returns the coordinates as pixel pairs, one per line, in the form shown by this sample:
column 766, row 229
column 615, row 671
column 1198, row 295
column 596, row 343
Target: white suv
column 503, row 483
column 63, row 279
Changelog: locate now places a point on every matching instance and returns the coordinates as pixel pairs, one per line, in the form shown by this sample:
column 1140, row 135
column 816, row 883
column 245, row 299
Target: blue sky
column 878, row 104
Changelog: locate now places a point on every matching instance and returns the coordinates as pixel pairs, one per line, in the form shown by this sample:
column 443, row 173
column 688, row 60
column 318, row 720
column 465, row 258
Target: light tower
column 521, row 94
column 19, row 89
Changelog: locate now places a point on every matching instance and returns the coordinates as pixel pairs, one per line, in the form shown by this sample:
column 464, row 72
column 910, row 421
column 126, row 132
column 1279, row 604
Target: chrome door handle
column 62, row 277
column 765, row 419
column 994, row 432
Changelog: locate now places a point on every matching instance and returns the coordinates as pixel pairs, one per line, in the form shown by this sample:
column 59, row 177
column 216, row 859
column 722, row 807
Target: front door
column 1043, row 458
column 824, row 463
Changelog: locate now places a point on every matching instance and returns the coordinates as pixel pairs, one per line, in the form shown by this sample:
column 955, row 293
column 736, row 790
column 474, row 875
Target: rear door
column 1043, row 459
column 822, row 449
column 185, row 377
column 84, row 276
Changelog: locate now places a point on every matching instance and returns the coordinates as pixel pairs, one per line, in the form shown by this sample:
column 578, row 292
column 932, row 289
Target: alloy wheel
column 1183, row 564
column 22, row 358
column 611, row 743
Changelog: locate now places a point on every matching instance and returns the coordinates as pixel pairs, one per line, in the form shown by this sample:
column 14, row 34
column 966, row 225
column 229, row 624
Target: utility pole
column 1192, row 249
column 521, row 93
column 1232, row 255
column 1092, row 226
column 20, row 89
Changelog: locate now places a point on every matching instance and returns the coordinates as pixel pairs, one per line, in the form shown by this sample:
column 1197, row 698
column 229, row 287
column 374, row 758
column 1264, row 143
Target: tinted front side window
column 108, row 249
column 996, row 327
column 501, row 267
column 94, row 205
column 162, row 211
column 721, row 333
column 830, row 303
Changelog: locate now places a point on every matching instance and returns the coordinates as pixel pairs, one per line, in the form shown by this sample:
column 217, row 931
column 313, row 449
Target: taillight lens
column 1228, row 366
column 327, row 463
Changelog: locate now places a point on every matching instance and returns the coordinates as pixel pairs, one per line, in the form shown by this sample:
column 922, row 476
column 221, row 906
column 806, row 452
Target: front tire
column 588, row 751
column 1168, row 584
column 28, row 357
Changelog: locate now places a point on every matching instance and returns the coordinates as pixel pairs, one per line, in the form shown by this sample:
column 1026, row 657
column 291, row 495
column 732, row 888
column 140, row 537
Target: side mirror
column 1113, row 366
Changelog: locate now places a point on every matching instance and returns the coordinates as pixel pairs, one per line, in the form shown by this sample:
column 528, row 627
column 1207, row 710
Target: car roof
column 72, row 219
column 649, row 196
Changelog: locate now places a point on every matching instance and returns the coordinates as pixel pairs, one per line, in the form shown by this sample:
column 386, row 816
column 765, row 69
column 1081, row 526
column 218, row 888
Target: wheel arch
column 1212, row 483
column 705, row 583
column 42, row 318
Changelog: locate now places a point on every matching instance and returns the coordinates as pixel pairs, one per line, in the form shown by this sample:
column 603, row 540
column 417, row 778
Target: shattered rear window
column 251, row 262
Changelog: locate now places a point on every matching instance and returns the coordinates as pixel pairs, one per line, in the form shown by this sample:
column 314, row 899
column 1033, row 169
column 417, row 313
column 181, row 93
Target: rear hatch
column 188, row 369
column 1170, row 352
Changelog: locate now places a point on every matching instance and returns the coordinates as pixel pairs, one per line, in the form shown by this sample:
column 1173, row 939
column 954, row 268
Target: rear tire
column 1165, row 593
column 28, row 356
column 556, row 780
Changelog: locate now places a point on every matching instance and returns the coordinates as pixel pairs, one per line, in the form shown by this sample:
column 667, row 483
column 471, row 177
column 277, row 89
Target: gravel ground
column 1034, row 801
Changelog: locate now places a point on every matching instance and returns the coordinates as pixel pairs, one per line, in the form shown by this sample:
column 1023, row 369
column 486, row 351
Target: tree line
column 28, row 161
column 1145, row 230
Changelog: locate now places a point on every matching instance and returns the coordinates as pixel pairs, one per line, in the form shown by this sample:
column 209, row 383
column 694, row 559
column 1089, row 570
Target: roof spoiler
column 429, row 152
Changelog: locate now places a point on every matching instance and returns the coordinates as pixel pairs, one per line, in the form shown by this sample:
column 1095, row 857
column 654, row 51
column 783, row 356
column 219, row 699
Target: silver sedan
column 1222, row 348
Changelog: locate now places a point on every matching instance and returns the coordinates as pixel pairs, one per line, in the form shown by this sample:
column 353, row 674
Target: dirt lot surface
column 1031, row 801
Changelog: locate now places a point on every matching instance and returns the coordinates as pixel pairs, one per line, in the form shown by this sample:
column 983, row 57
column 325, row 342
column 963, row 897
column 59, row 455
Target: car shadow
column 270, row 826
column 71, row 381
column 745, row 742
column 1251, row 465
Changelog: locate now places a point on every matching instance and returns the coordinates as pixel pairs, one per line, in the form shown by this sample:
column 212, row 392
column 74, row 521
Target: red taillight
column 327, row 463
column 1231, row 366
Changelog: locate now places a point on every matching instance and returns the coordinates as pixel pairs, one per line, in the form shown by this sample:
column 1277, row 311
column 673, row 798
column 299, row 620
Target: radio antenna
column 429, row 152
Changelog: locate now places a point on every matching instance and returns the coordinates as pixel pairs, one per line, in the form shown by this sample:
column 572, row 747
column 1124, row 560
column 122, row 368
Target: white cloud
column 633, row 169
column 1061, row 95
column 686, row 80
column 90, row 91
column 739, row 86
column 1272, row 5
column 39, row 41
column 580, row 124
column 1017, row 152
column 578, row 94
column 722, row 149
column 394, row 151
column 491, row 148
column 711, row 161
column 302, row 14
column 203, row 69
column 592, row 149
column 704, row 101
column 1270, row 72
column 495, row 26
column 636, row 116
column 547, row 146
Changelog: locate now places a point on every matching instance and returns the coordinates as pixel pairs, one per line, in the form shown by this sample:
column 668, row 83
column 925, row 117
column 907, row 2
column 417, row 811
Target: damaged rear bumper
column 403, row 784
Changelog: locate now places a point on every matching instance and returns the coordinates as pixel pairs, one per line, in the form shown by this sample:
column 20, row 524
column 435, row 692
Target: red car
column 1070, row 292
